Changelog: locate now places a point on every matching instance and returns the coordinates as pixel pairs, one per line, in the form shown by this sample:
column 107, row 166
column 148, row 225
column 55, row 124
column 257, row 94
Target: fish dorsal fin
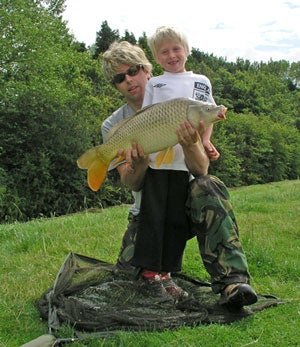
column 122, row 122
column 117, row 126
column 165, row 157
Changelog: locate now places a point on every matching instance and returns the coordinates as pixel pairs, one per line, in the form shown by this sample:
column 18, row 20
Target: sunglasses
column 132, row 71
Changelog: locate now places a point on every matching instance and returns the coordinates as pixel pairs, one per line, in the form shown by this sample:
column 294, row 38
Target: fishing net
column 91, row 296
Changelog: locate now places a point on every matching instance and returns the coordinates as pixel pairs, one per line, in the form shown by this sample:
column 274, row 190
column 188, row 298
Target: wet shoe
column 238, row 295
column 152, row 288
column 174, row 290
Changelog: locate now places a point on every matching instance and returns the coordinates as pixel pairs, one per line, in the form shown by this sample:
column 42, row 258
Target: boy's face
column 171, row 56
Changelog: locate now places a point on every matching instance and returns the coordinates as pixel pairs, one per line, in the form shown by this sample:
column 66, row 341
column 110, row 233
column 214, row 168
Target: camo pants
column 213, row 222
column 128, row 245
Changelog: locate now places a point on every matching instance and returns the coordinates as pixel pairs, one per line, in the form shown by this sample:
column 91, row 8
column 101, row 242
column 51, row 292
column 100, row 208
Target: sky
column 256, row 30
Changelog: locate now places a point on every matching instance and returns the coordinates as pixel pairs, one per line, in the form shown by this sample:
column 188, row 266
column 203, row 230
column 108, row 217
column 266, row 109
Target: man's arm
column 196, row 158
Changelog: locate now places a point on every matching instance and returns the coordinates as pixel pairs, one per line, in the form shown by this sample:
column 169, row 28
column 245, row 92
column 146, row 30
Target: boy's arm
column 210, row 149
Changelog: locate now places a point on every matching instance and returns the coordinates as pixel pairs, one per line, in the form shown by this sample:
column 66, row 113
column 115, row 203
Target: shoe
column 238, row 295
column 152, row 288
column 174, row 290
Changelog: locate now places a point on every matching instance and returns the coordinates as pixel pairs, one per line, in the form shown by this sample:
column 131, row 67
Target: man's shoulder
column 121, row 113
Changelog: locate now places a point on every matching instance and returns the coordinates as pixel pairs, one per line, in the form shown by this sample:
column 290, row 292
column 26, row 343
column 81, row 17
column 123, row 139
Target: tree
column 104, row 38
column 47, row 113
column 56, row 7
column 129, row 37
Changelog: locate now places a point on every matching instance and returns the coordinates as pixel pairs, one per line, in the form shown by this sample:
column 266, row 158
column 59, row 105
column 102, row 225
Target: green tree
column 129, row 37
column 104, row 38
column 47, row 113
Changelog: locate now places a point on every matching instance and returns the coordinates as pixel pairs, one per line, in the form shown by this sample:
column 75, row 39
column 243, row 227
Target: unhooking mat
column 90, row 296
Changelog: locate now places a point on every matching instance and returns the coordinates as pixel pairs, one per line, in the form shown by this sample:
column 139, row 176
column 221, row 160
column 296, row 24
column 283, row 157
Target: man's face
column 131, row 83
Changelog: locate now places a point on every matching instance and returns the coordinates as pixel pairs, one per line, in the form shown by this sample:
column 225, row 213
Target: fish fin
column 119, row 125
column 96, row 167
column 122, row 122
column 87, row 158
column 117, row 161
column 165, row 157
column 96, row 174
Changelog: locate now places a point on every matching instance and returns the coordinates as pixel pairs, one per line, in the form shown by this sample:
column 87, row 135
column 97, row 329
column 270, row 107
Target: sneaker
column 153, row 288
column 238, row 295
column 174, row 290
column 151, row 275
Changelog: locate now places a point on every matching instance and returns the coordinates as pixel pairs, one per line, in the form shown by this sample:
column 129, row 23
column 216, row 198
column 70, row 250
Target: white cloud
column 256, row 30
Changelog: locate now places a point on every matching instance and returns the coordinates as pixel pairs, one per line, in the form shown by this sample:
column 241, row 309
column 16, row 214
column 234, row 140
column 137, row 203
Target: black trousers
column 163, row 226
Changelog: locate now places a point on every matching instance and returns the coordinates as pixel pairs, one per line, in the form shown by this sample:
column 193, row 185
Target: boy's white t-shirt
column 176, row 85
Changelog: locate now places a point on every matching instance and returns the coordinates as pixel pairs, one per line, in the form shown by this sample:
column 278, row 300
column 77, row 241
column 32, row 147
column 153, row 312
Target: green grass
column 269, row 219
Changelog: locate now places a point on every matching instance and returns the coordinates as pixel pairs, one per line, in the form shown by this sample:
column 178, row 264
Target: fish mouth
column 222, row 114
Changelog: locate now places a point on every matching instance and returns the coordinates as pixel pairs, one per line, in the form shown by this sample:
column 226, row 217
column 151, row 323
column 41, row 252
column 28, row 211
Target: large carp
column 153, row 127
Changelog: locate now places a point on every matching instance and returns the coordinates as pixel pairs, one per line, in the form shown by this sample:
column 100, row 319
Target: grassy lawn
column 269, row 219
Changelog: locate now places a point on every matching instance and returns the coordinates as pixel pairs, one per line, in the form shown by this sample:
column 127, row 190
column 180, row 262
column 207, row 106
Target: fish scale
column 154, row 128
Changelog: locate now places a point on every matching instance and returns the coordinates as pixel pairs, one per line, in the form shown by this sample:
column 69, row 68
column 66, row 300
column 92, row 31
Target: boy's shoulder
column 187, row 74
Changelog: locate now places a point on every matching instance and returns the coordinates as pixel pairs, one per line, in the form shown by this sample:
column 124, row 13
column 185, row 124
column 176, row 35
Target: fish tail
column 97, row 168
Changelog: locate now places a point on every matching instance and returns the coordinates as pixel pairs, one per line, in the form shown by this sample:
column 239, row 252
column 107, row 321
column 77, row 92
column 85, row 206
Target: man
column 208, row 216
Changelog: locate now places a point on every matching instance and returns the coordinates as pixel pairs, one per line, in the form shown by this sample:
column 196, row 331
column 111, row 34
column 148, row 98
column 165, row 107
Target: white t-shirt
column 176, row 85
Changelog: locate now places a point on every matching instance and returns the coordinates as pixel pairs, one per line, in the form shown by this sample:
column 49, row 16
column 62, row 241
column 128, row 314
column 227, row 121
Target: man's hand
column 132, row 172
column 134, row 157
column 195, row 156
column 187, row 134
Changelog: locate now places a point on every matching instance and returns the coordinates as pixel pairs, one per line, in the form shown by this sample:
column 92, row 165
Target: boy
column 167, row 233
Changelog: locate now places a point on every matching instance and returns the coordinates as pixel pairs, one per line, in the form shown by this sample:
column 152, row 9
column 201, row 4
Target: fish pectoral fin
column 119, row 159
column 96, row 174
column 165, row 157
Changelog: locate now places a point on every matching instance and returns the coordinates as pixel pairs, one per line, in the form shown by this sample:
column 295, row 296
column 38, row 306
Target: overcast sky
column 257, row 30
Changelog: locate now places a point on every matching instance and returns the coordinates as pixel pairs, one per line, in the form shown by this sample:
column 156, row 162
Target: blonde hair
column 125, row 53
column 165, row 33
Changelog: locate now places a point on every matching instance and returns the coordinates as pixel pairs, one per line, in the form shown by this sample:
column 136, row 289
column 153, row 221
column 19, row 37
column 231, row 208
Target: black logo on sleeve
column 201, row 91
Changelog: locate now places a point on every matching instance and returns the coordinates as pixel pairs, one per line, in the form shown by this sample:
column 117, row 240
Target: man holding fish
column 199, row 207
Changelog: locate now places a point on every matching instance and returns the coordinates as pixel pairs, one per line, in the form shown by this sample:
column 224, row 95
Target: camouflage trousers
column 213, row 222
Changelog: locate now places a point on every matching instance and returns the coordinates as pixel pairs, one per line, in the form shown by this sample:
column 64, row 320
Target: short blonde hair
column 165, row 33
column 125, row 53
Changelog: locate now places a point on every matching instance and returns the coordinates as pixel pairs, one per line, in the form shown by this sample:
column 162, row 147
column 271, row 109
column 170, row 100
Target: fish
column 154, row 128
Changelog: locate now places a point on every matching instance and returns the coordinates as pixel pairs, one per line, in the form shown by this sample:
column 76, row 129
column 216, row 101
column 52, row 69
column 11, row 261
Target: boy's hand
column 210, row 150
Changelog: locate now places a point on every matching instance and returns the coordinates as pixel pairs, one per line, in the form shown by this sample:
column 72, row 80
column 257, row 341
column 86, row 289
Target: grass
column 269, row 219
